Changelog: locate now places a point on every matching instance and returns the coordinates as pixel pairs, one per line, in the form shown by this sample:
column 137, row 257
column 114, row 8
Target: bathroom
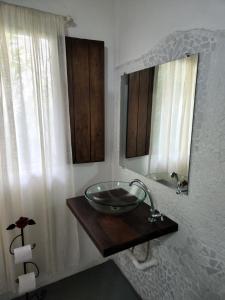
column 137, row 35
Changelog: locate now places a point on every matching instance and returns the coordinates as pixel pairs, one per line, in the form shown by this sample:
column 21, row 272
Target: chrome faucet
column 154, row 214
column 175, row 175
column 181, row 185
column 181, row 190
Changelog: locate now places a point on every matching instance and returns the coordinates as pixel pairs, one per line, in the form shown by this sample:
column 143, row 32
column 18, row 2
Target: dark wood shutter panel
column 96, row 69
column 140, row 88
column 81, row 100
column 132, row 114
column 142, row 125
column 85, row 70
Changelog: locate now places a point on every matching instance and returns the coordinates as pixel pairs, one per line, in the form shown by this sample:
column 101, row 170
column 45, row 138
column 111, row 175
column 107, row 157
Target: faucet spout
column 175, row 175
column 181, row 185
column 154, row 214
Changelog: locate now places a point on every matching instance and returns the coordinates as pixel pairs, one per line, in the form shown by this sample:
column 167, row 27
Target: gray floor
column 103, row 282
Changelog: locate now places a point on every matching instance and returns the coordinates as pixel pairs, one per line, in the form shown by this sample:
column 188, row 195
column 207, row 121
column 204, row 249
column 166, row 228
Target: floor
column 103, row 282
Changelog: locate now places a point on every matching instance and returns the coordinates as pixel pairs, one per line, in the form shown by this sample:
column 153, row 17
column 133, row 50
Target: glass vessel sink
column 114, row 197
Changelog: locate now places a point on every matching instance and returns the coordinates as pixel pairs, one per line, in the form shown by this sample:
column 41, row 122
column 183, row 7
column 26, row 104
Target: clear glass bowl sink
column 114, row 197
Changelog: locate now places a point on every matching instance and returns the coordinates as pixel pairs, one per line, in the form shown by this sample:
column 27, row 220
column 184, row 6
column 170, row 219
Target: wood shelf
column 112, row 234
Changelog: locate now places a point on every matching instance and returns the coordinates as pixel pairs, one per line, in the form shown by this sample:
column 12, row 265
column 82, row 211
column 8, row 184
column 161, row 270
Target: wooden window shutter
column 140, row 88
column 85, row 70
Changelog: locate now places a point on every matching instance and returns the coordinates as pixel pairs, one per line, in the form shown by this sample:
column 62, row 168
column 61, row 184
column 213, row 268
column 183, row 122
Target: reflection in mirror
column 157, row 107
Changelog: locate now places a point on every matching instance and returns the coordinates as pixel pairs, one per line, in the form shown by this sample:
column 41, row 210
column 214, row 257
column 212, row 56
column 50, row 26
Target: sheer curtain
column 173, row 102
column 36, row 173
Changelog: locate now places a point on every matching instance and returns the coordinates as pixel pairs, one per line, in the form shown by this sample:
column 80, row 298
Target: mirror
column 157, row 106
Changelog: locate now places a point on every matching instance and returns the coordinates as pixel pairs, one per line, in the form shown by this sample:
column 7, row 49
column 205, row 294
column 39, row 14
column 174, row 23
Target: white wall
column 141, row 24
column 191, row 261
column 94, row 20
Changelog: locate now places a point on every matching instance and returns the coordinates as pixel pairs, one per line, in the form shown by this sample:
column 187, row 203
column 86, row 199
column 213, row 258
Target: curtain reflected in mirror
column 171, row 106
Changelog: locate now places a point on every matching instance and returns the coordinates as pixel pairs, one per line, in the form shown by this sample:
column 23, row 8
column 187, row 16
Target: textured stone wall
column 191, row 261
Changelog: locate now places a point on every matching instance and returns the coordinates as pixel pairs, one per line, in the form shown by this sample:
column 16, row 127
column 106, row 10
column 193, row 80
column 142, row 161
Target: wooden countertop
column 112, row 234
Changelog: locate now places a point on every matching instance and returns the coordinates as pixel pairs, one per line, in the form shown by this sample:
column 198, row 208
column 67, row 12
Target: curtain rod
column 68, row 19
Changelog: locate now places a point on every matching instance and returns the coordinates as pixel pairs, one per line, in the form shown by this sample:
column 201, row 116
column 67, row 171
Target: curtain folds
column 36, row 174
column 173, row 103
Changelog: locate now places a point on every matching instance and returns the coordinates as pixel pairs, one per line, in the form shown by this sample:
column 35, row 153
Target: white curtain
column 173, row 102
column 36, row 173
